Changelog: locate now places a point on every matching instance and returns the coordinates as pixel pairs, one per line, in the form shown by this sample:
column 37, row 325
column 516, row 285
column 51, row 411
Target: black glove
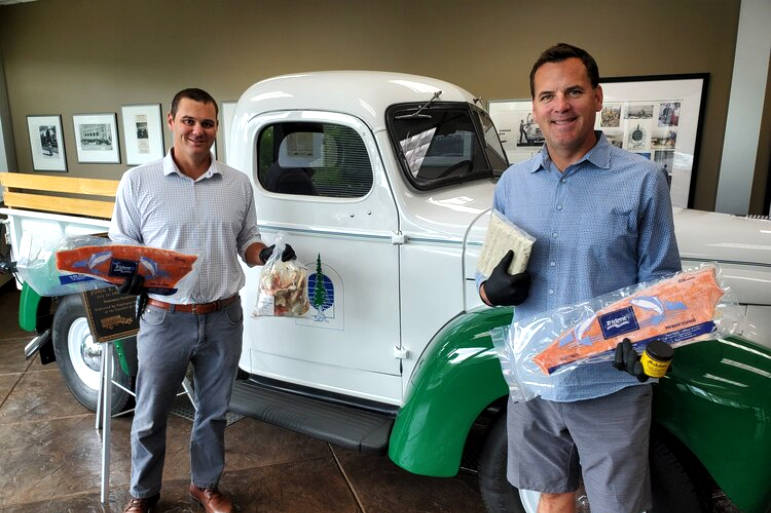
column 140, row 305
column 501, row 288
column 628, row 360
column 135, row 285
column 287, row 255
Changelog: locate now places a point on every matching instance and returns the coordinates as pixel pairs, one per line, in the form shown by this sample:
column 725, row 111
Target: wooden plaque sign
column 110, row 314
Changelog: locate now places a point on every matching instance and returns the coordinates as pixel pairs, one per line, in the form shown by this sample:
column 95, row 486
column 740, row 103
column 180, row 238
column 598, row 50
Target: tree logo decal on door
column 321, row 293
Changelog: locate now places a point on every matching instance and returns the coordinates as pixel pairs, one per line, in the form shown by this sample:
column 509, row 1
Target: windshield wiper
column 417, row 113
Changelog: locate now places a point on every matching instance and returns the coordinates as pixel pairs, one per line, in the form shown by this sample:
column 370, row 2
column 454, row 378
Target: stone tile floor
column 50, row 456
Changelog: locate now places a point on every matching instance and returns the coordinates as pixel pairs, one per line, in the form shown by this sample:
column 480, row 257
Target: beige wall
column 78, row 56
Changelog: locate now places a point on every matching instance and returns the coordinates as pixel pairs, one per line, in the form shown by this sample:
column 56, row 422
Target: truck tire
column 498, row 494
column 674, row 491
column 79, row 357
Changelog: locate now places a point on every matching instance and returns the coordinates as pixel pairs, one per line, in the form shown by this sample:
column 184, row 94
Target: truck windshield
column 444, row 143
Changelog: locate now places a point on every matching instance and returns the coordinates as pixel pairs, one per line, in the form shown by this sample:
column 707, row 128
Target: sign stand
column 103, row 410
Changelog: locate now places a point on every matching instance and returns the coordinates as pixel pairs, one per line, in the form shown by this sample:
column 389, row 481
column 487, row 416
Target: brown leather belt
column 200, row 308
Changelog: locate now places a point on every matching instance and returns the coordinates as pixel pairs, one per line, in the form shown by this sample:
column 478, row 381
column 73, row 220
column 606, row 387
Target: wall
column 78, row 56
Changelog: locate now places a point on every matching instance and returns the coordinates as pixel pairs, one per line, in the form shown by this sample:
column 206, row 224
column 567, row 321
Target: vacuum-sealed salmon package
column 688, row 307
column 36, row 263
column 161, row 269
column 283, row 286
column 54, row 266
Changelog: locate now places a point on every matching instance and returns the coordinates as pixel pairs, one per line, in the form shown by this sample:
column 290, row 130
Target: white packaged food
column 503, row 235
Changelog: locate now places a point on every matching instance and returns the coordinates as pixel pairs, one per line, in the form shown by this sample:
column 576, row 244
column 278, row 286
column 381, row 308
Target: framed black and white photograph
column 520, row 135
column 96, row 138
column 142, row 133
column 46, row 142
column 661, row 120
column 610, row 117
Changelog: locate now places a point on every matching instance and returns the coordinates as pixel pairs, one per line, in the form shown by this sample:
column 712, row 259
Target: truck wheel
column 673, row 489
column 498, row 494
column 79, row 357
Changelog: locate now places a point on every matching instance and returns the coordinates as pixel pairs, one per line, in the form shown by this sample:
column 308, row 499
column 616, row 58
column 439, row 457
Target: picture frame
column 658, row 117
column 96, row 138
column 520, row 135
column 46, row 142
column 142, row 133
column 227, row 111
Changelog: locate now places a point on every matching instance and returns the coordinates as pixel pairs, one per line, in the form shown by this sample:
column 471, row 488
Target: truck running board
column 339, row 424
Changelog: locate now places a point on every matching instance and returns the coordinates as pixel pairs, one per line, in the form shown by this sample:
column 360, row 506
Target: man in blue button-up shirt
column 602, row 219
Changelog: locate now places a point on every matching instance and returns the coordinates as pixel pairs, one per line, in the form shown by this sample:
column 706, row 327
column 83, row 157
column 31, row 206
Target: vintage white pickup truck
column 380, row 182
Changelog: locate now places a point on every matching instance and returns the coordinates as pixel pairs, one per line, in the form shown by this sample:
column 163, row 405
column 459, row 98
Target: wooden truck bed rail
column 35, row 187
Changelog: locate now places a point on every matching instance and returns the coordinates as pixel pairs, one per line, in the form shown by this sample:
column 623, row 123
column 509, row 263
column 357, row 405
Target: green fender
column 716, row 400
column 456, row 378
column 28, row 305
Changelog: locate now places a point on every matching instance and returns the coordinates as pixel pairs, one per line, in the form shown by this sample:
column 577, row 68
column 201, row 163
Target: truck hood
column 720, row 237
column 445, row 214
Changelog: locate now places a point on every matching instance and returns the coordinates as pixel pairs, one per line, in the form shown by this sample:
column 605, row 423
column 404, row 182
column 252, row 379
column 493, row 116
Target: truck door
column 318, row 178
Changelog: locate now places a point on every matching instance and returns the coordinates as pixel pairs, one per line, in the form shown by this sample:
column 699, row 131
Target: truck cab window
column 443, row 144
column 313, row 159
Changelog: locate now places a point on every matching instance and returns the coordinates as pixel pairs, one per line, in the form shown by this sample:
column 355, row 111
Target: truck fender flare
column 715, row 402
column 456, row 378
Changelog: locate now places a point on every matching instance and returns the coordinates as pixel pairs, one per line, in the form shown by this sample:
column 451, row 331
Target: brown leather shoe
column 144, row 505
column 211, row 499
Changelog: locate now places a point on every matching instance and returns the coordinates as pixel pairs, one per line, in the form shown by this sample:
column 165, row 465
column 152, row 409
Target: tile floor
column 50, row 456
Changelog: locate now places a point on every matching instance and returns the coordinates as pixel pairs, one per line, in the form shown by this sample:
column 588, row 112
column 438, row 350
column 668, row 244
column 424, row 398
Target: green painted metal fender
column 28, row 305
column 456, row 378
column 716, row 399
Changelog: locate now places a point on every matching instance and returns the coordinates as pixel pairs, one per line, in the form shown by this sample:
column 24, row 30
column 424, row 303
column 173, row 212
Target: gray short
column 607, row 436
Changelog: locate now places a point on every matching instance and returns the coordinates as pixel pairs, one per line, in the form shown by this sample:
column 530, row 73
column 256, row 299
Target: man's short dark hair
column 195, row 94
column 561, row 52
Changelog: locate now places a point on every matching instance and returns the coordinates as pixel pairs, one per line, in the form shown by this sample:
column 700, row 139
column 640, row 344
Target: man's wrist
column 483, row 294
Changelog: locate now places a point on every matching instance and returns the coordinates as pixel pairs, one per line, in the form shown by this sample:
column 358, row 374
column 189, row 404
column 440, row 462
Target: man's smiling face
column 194, row 128
column 565, row 105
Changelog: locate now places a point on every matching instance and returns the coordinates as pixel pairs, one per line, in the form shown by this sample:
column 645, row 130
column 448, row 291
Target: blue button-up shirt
column 602, row 224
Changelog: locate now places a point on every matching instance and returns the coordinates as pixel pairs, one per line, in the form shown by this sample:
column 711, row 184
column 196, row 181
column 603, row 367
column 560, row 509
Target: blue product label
column 73, row 278
column 618, row 322
column 122, row 268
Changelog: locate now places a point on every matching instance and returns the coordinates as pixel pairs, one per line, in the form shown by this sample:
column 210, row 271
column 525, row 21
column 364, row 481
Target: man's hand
column 134, row 285
column 628, row 360
column 502, row 288
column 287, row 255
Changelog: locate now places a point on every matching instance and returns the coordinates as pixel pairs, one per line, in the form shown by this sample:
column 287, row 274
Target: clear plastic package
column 283, row 286
column 687, row 307
column 36, row 264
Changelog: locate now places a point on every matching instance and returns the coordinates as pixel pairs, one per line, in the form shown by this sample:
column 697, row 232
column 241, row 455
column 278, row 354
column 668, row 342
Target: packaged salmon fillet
column 687, row 307
column 53, row 265
column 161, row 268
column 36, row 263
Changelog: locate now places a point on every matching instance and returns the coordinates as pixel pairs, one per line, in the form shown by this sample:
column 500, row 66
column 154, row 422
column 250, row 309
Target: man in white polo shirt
column 190, row 203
